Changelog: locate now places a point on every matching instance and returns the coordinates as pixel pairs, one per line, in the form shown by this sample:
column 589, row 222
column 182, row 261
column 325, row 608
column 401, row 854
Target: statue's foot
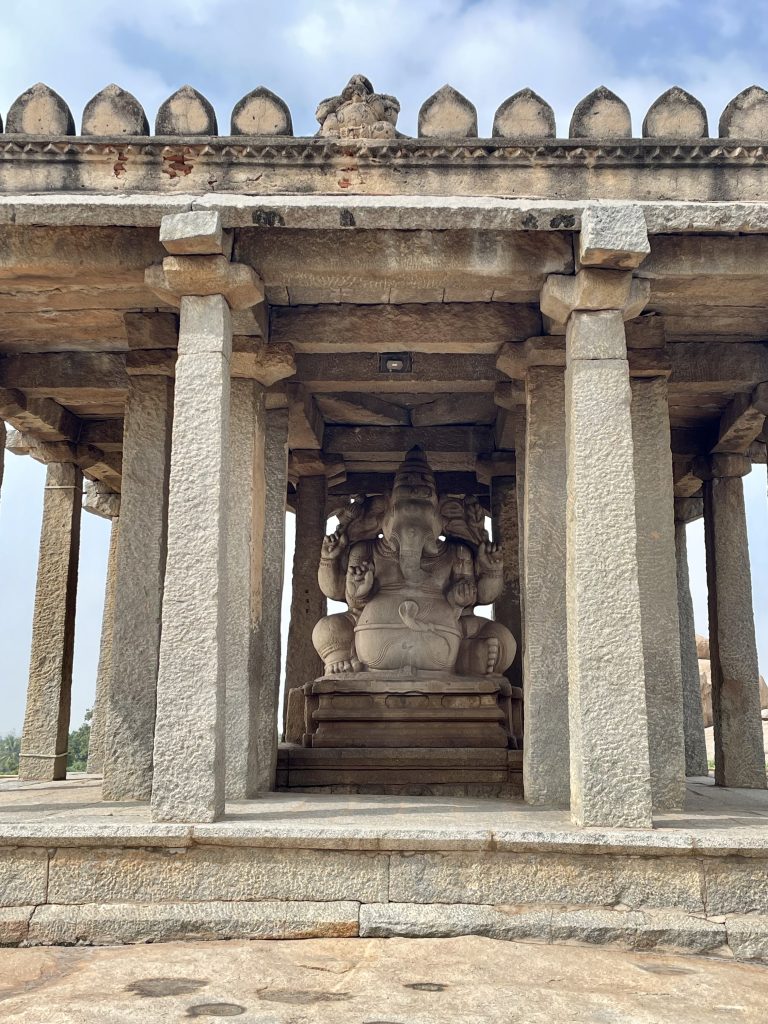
column 357, row 666
column 338, row 667
column 492, row 652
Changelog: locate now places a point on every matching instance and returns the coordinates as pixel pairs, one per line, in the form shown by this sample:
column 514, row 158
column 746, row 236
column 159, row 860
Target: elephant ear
column 464, row 519
column 361, row 519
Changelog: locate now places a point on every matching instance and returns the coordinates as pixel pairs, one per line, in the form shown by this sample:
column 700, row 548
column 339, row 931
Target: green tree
column 77, row 758
column 10, row 746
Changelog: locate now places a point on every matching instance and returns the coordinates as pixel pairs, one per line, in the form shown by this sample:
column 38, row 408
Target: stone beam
column 455, row 408
column 448, row 482
column 96, row 464
column 388, row 441
column 443, row 327
column 40, row 418
column 362, row 409
column 151, row 330
column 104, row 434
column 329, row 374
column 66, row 375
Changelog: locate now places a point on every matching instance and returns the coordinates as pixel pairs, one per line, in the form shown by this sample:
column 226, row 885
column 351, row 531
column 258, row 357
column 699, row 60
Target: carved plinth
column 367, row 709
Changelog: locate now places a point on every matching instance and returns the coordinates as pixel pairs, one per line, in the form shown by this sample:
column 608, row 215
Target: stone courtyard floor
column 471, row 980
column 61, row 806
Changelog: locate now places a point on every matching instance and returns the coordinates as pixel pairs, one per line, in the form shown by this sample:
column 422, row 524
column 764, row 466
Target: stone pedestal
column 739, row 754
column 308, row 604
column 368, row 709
column 245, row 561
column 693, row 718
column 610, row 772
column 46, row 721
column 268, row 636
column 657, row 579
column 104, row 673
column 188, row 782
column 546, row 746
column 141, row 555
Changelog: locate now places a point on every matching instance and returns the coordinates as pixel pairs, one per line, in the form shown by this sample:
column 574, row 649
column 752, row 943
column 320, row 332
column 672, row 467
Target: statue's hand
column 464, row 593
column 333, row 545
column 490, row 558
column 359, row 580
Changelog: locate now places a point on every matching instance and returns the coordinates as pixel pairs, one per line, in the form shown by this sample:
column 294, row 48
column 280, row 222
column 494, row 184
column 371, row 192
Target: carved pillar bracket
column 739, row 755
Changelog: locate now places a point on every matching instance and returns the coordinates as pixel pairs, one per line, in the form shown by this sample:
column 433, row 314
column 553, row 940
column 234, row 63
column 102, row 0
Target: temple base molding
column 408, row 771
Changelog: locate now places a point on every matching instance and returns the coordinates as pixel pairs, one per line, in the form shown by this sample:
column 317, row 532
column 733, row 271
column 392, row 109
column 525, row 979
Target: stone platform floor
column 471, row 980
column 75, row 806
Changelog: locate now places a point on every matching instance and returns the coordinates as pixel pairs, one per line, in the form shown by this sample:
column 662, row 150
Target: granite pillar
column 693, row 716
column 2, row 452
column 739, row 754
column 657, row 580
column 129, row 739
column 45, row 736
column 610, row 771
column 269, row 641
column 308, row 603
column 188, row 783
column 96, row 740
column 546, row 773
column 245, row 551
column 504, row 519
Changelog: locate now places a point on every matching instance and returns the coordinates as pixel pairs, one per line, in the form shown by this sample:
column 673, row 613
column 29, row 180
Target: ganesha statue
column 411, row 569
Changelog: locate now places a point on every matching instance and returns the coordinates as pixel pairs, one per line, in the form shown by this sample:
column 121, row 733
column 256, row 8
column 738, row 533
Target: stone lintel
column 593, row 289
column 515, row 359
column 196, row 233
column 613, row 237
column 688, row 510
column 721, row 465
column 101, row 500
column 177, row 276
column 40, row 417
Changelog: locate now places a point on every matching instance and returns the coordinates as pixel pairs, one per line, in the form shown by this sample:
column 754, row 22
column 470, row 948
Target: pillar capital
column 101, row 500
column 710, row 467
column 613, row 236
column 593, row 289
column 199, row 263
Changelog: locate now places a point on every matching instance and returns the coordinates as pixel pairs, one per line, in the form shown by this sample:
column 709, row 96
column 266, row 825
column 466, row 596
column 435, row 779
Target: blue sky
column 305, row 51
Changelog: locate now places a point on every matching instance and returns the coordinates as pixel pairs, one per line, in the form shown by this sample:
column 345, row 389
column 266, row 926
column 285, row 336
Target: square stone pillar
column 104, row 672
column 308, row 603
column 2, row 451
column 610, row 771
column 693, row 715
column 739, row 754
column 245, row 557
column 45, row 736
column 657, row 579
column 546, row 773
column 506, row 531
column 268, row 636
column 140, row 570
column 188, row 783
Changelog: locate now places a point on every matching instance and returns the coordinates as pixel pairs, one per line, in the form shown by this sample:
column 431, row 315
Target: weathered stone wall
column 666, row 892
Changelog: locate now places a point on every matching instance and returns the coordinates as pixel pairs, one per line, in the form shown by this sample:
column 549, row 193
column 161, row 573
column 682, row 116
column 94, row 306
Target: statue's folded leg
column 487, row 647
column 333, row 638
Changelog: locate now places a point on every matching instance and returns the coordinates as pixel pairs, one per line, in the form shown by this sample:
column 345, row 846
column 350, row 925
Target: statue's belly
column 400, row 630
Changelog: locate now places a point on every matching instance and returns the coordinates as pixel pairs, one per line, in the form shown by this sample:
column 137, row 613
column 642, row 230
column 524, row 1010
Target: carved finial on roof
column 447, row 114
column 40, row 111
column 113, row 111
column 676, row 115
column 745, row 117
column 186, row 112
column 358, row 113
column 261, row 112
column 601, row 115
